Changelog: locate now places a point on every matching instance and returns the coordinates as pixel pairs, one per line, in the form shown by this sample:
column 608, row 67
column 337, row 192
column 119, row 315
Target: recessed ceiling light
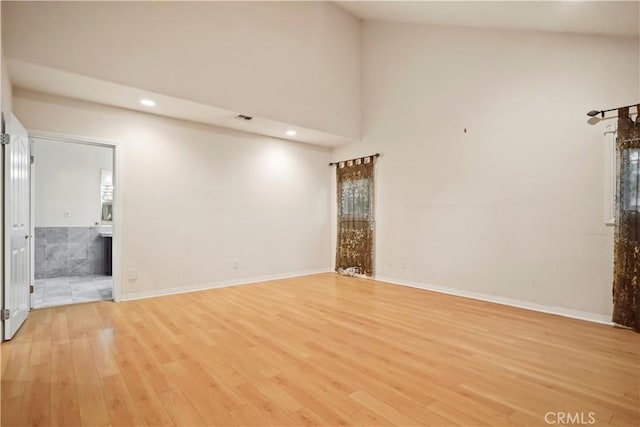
column 291, row 132
column 147, row 102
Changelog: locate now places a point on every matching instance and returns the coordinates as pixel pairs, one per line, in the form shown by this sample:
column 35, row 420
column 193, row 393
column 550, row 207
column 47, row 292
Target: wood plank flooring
column 316, row 350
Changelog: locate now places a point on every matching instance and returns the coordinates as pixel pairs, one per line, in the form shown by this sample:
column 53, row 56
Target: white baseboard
column 560, row 311
column 214, row 285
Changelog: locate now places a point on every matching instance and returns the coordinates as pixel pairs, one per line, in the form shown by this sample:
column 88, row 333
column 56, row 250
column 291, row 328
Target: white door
column 17, row 161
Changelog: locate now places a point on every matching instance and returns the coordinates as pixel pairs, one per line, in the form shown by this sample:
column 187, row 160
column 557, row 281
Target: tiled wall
column 68, row 251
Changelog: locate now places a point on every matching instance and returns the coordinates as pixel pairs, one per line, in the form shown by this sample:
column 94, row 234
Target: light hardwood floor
column 315, row 350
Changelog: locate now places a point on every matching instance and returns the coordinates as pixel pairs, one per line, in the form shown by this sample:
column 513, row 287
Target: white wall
column 196, row 198
column 293, row 62
column 67, row 178
column 6, row 90
column 515, row 207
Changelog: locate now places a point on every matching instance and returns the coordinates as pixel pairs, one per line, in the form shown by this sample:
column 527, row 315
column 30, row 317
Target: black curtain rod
column 594, row 113
column 353, row 160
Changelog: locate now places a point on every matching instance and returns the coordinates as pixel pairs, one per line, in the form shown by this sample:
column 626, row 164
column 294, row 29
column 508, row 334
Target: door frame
column 117, row 198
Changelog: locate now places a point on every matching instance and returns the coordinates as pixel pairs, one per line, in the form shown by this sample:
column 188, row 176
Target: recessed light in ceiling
column 291, row 132
column 147, row 102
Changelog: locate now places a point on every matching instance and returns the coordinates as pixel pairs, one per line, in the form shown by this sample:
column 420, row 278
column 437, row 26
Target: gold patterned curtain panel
column 626, row 280
column 354, row 249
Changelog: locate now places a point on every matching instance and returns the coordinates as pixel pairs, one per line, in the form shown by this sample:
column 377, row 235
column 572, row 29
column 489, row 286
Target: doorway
column 72, row 201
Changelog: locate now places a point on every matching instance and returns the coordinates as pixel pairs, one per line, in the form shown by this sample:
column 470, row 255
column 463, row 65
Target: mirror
column 106, row 195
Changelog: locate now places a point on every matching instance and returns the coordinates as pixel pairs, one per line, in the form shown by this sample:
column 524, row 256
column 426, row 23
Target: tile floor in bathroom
column 71, row 290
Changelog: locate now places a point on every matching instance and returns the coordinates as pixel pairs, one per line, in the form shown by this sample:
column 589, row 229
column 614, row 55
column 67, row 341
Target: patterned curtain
column 626, row 280
column 354, row 249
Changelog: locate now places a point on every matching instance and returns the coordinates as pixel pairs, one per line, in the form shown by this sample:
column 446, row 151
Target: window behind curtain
column 626, row 267
column 631, row 179
column 354, row 249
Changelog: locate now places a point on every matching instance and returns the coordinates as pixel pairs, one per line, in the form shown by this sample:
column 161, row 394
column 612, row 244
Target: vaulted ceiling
column 288, row 64
column 584, row 17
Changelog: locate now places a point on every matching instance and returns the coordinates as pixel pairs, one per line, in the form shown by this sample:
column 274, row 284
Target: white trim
column 610, row 174
column 559, row 311
column 214, row 285
column 32, row 221
column 118, row 167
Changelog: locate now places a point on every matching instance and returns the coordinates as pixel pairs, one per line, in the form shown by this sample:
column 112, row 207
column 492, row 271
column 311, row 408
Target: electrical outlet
column 236, row 264
column 67, row 214
column 404, row 263
column 133, row 275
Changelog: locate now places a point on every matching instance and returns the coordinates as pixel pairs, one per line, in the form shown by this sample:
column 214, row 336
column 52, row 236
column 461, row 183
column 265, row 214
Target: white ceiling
column 289, row 65
column 50, row 80
column 84, row 59
column 620, row 18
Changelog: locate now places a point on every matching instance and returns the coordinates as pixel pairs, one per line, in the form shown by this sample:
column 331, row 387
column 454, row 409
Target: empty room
column 327, row 213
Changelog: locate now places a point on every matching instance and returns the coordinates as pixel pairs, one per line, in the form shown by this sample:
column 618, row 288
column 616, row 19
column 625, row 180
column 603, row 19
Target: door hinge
column 33, row 159
column 6, row 314
column 4, row 139
column 30, row 289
